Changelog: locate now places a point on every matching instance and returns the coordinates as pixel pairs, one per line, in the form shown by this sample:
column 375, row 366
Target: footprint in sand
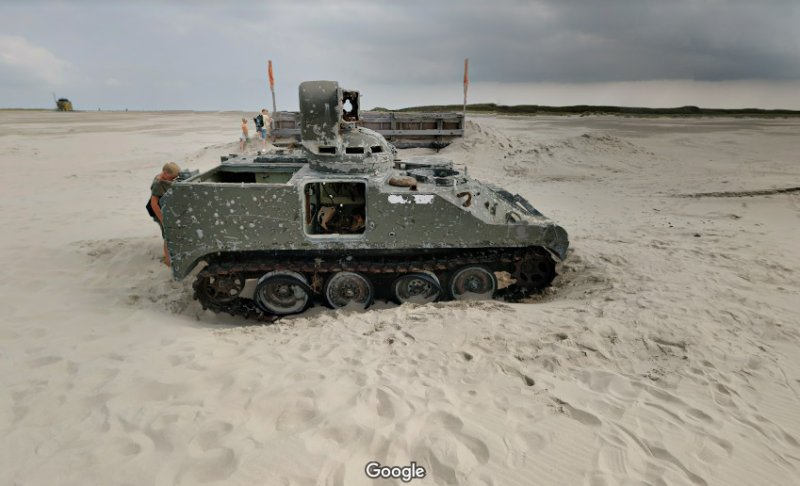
column 581, row 416
column 298, row 415
column 445, row 448
column 208, row 459
column 523, row 446
column 381, row 405
column 713, row 450
column 124, row 447
column 611, row 465
column 723, row 396
column 215, row 465
column 335, row 437
column 665, row 456
column 699, row 415
column 210, row 435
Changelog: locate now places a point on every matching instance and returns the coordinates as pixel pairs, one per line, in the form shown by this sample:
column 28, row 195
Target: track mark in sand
column 762, row 192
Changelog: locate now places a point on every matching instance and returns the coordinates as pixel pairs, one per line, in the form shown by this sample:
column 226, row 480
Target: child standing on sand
column 244, row 137
column 265, row 127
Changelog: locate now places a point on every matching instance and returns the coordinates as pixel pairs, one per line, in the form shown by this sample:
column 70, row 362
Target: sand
column 667, row 351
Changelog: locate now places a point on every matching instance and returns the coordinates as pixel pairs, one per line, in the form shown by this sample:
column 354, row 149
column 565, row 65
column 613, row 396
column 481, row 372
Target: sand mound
column 589, row 156
column 130, row 272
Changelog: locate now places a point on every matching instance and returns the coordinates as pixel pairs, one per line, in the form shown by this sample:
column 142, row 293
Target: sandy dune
column 667, row 352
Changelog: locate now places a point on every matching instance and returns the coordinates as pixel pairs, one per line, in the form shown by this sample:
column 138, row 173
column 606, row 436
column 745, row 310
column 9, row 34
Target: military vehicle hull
column 343, row 222
column 63, row 104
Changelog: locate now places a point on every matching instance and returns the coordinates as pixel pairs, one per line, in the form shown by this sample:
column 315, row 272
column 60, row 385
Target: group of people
column 263, row 124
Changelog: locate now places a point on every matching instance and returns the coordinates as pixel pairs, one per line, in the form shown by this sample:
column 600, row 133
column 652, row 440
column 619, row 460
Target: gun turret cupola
column 331, row 136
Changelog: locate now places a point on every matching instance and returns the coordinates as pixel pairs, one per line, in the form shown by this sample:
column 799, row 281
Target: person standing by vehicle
column 245, row 136
column 266, row 127
column 161, row 184
column 259, row 121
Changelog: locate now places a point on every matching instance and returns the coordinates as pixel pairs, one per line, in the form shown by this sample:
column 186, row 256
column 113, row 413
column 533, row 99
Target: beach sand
column 666, row 352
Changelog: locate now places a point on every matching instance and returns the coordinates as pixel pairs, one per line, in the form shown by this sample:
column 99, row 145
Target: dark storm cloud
column 212, row 55
column 571, row 41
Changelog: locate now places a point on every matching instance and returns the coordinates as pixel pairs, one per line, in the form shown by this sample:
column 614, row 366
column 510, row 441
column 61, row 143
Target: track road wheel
column 532, row 275
column 218, row 291
column 344, row 289
column 282, row 293
column 416, row 288
column 473, row 283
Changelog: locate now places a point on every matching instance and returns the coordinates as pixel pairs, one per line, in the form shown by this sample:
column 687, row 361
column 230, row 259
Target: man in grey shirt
column 161, row 184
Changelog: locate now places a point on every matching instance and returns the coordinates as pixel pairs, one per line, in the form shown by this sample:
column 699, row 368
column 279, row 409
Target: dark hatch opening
column 335, row 208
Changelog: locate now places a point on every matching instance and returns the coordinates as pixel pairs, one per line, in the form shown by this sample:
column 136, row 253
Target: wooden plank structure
column 403, row 129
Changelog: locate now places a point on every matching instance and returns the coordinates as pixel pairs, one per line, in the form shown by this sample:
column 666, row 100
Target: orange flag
column 271, row 77
column 466, row 83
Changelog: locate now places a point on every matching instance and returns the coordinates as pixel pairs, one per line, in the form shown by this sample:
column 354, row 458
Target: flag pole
column 274, row 109
column 466, row 84
column 271, row 84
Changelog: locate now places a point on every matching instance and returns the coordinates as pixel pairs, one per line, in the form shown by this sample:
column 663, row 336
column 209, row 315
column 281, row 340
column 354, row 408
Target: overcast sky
column 205, row 55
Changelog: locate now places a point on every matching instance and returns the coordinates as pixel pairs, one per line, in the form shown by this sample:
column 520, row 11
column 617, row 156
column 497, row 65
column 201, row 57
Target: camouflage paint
column 203, row 218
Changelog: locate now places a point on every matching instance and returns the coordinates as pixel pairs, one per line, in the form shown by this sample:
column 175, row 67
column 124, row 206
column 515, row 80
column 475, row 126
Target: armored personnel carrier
column 342, row 221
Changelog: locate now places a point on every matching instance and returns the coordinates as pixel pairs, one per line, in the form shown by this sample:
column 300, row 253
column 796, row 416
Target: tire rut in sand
column 753, row 193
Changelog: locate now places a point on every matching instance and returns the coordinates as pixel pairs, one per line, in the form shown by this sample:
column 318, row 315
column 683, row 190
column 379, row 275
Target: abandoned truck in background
column 342, row 221
column 63, row 104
